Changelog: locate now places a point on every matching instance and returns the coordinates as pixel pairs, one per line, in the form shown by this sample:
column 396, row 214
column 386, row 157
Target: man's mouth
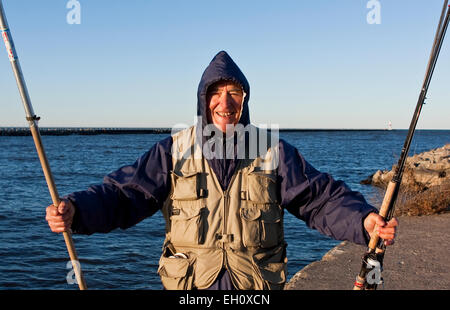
column 225, row 114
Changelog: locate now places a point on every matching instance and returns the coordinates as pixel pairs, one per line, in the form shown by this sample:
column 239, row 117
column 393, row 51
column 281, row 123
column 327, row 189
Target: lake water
column 32, row 257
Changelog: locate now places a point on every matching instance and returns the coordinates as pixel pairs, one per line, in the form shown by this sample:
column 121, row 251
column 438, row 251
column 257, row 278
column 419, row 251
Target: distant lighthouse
column 389, row 126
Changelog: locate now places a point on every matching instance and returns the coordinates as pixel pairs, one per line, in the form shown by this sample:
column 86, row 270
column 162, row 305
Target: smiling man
column 224, row 216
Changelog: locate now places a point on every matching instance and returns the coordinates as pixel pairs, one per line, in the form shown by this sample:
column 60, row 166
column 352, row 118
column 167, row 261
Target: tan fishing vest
column 240, row 229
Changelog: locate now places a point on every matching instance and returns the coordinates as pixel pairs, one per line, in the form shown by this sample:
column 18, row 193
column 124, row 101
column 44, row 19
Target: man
column 224, row 214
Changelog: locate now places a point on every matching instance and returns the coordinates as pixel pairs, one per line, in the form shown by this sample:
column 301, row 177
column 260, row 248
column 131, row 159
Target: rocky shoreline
column 425, row 187
column 419, row 258
column 422, row 171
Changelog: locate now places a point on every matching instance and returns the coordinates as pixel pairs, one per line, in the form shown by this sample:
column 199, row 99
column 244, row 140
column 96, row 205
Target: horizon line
column 169, row 128
column 93, row 131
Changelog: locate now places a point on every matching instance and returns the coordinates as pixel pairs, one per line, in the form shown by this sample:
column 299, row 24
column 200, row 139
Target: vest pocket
column 262, row 187
column 187, row 224
column 271, row 267
column 261, row 225
column 251, row 227
column 185, row 187
column 271, row 227
column 176, row 273
column 274, row 275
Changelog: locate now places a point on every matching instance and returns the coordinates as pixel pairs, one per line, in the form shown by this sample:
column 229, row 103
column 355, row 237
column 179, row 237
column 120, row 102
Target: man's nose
column 225, row 99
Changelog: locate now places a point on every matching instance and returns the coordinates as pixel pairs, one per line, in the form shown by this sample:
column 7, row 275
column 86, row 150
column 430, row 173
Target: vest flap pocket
column 271, row 226
column 185, row 213
column 185, row 186
column 264, row 174
column 271, row 214
column 173, row 267
column 176, row 273
column 262, row 187
column 250, row 214
column 187, row 225
column 274, row 274
column 251, row 230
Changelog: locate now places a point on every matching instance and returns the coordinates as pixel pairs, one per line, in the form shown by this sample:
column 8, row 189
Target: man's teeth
column 225, row 114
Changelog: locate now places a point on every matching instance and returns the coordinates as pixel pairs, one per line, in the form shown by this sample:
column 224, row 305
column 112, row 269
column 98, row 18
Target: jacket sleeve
column 127, row 196
column 325, row 204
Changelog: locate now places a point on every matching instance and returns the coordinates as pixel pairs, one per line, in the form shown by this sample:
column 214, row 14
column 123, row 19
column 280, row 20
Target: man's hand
column 374, row 224
column 60, row 219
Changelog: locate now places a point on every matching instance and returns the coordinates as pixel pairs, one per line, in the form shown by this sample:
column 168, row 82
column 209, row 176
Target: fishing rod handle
column 386, row 206
column 384, row 210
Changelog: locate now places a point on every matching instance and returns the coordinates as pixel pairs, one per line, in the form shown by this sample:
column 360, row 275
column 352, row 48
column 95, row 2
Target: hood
column 222, row 67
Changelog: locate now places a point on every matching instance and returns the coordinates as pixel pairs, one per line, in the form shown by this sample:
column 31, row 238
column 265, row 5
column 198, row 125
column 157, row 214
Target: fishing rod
column 32, row 120
column 369, row 276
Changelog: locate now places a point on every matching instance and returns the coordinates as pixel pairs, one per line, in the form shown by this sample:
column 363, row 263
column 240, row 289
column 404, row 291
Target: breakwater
column 47, row 131
column 66, row 131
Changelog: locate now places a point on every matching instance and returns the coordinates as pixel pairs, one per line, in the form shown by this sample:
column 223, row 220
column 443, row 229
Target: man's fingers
column 375, row 224
column 58, row 229
column 59, row 218
column 59, row 226
column 386, row 232
column 389, row 242
column 382, row 226
column 54, row 215
column 379, row 221
column 63, row 207
column 392, row 223
column 51, row 210
column 387, row 235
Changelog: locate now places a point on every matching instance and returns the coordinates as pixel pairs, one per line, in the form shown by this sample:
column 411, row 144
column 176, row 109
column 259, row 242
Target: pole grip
column 384, row 210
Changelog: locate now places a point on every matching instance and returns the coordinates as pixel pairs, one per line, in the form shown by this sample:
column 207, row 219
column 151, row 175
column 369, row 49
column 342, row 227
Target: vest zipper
column 226, row 196
column 224, row 229
column 225, row 211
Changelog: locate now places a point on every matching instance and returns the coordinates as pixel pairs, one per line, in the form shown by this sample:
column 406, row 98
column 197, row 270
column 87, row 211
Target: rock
column 425, row 187
column 422, row 171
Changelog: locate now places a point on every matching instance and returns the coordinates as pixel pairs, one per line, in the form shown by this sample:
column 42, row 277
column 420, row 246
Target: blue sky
column 310, row 64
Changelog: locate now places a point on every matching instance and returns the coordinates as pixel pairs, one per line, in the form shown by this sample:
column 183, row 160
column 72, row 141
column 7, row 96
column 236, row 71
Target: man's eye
column 235, row 93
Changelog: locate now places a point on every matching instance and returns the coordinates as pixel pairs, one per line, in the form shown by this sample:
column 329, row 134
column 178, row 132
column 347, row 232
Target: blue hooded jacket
column 135, row 192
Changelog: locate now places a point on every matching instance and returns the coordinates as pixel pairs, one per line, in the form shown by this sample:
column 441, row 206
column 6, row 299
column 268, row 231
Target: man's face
column 224, row 100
